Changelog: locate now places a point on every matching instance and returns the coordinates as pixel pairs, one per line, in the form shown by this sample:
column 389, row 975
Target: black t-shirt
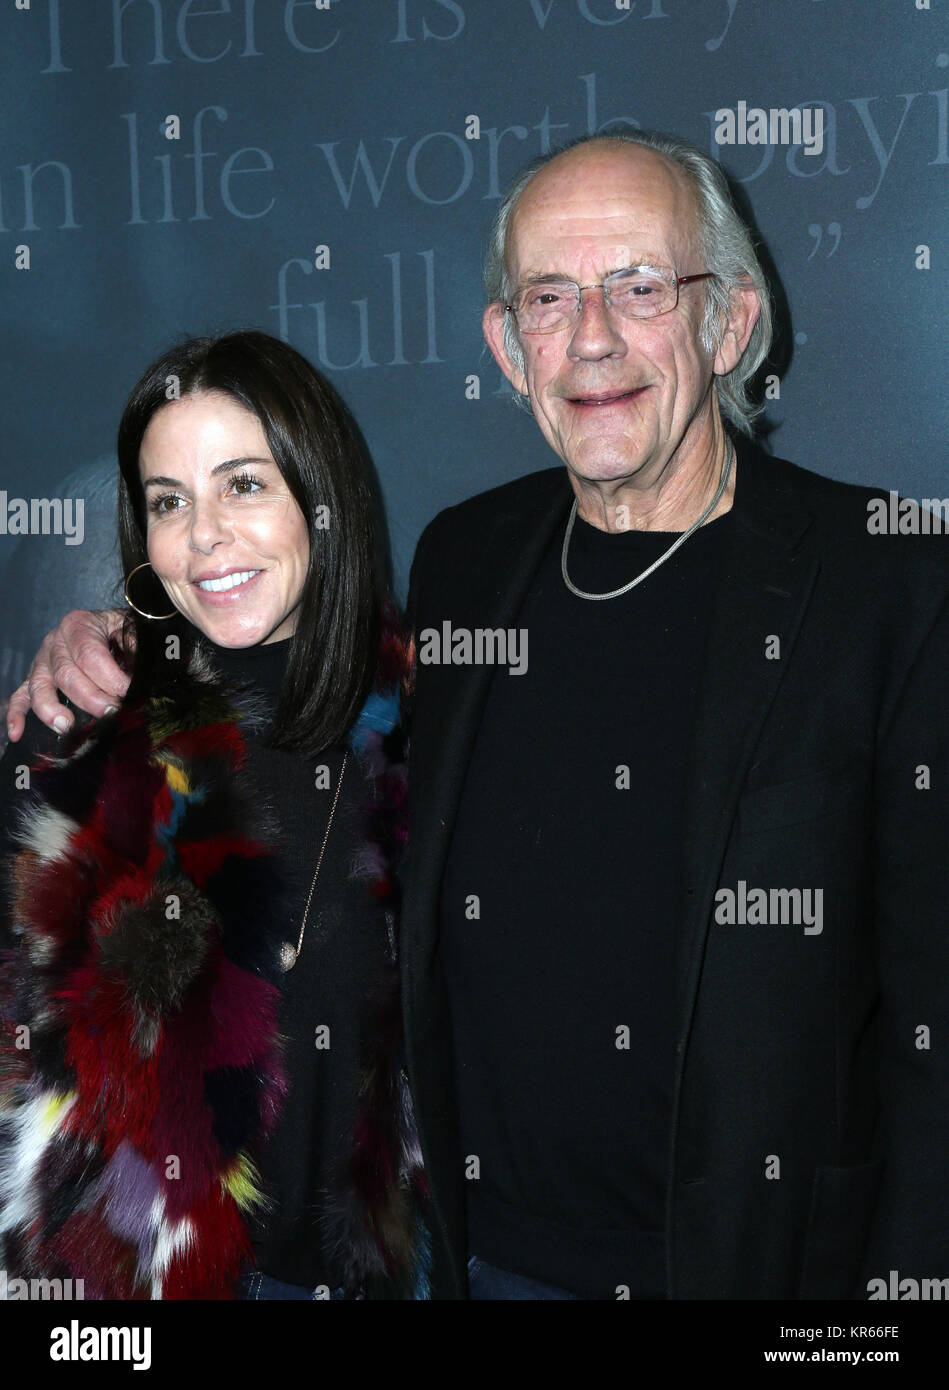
column 561, row 974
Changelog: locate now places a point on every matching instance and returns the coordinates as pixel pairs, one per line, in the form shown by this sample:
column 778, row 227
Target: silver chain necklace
column 680, row 540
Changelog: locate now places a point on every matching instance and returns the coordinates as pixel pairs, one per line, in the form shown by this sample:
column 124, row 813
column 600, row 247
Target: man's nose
column 597, row 332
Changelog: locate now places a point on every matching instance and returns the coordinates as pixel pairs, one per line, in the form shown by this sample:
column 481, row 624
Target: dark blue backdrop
column 303, row 125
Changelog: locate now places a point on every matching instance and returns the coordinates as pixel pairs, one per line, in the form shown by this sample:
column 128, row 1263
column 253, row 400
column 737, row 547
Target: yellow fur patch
column 241, row 1181
column 52, row 1111
column 177, row 780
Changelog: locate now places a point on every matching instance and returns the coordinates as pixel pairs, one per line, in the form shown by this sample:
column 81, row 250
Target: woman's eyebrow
column 227, row 466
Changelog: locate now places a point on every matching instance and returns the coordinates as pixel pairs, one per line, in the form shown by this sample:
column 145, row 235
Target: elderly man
column 675, row 937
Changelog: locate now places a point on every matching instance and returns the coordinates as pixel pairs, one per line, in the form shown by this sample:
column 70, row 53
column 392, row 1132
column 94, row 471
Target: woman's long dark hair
column 333, row 648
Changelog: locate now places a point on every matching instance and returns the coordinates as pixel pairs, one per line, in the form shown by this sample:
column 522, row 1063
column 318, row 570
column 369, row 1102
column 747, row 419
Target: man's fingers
column 17, row 711
column 77, row 686
column 76, row 660
column 86, row 670
column 81, row 663
column 44, row 698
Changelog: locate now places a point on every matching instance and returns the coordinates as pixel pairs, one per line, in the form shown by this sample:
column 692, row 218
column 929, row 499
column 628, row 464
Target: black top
column 330, row 987
column 328, row 991
column 567, row 834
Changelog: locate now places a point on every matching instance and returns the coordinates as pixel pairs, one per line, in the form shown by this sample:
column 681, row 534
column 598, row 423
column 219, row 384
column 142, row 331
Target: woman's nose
column 209, row 526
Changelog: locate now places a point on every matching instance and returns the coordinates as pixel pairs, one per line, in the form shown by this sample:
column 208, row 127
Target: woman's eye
column 167, row 502
column 244, row 484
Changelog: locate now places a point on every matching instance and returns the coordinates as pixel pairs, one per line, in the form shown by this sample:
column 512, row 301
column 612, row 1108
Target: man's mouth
column 602, row 398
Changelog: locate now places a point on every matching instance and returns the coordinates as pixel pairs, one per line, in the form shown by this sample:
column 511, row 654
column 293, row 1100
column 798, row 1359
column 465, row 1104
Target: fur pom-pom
column 156, row 948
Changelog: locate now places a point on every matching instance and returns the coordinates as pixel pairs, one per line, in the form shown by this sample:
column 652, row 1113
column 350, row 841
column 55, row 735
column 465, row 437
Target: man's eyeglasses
column 638, row 292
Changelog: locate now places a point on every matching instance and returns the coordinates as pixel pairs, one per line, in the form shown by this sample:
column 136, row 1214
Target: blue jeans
column 260, row 1286
column 488, row 1282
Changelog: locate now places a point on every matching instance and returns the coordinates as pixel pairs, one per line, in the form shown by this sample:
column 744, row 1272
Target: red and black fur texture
column 140, row 1061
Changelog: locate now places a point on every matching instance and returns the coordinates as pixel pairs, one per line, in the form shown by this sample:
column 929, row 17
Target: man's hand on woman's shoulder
column 75, row 659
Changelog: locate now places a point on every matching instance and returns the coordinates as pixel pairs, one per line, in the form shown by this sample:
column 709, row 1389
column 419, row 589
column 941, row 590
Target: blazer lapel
column 446, row 721
column 767, row 579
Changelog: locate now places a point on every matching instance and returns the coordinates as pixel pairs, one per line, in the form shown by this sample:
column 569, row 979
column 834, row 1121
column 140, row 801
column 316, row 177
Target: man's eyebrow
column 227, row 466
column 546, row 278
column 553, row 277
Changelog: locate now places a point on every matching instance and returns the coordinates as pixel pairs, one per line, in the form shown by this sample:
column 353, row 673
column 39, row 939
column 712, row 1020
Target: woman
column 200, row 1086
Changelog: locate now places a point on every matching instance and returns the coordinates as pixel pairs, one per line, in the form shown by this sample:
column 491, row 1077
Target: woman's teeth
column 230, row 581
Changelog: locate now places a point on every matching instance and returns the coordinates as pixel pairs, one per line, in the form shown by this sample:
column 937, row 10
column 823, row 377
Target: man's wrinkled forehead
column 600, row 208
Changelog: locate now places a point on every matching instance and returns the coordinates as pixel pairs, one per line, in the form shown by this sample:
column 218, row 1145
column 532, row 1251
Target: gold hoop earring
column 158, row 616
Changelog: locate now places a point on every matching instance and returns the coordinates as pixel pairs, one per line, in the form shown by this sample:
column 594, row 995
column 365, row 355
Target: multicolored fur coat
column 140, row 1057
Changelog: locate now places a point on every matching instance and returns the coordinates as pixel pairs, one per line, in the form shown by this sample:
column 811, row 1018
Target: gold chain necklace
column 288, row 952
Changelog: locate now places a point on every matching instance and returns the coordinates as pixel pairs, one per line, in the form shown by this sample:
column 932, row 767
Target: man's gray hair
column 726, row 245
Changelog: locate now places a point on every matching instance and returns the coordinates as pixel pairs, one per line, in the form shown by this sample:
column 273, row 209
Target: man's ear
column 493, row 324
column 744, row 308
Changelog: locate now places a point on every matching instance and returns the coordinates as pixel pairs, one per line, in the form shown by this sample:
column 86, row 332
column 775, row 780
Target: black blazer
column 809, row 1141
